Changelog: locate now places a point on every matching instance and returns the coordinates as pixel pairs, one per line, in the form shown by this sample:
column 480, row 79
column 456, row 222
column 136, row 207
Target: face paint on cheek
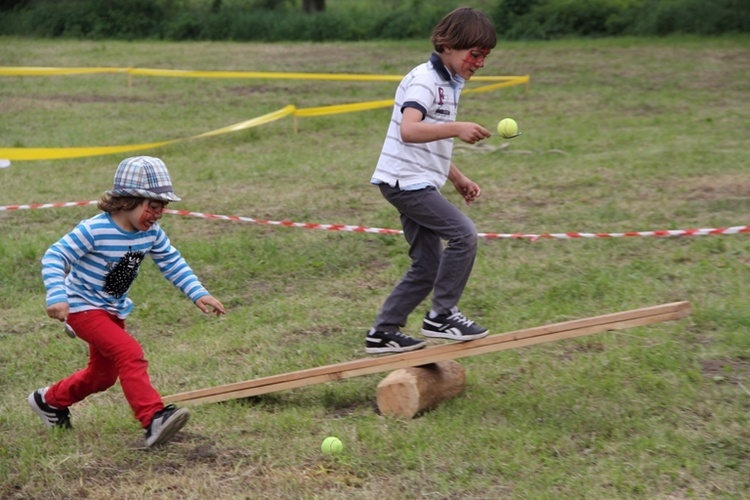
column 144, row 221
column 474, row 60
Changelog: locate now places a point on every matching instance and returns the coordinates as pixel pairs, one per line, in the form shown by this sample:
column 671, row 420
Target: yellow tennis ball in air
column 507, row 127
column 331, row 446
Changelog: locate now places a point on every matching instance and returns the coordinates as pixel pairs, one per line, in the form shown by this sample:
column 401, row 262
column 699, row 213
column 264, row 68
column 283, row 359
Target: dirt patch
column 258, row 89
column 90, row 98
column 717, row 187
column 729, row 370
column 322, row 331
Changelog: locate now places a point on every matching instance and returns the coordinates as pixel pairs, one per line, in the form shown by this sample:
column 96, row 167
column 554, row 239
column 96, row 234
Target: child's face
column 146, row 214
column 465, row 62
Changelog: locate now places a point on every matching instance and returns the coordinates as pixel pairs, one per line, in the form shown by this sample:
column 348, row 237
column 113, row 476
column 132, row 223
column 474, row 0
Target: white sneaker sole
column 391, row 350
column 451, row 336
column 38, row 411
column 176, row 422
column 41, row 413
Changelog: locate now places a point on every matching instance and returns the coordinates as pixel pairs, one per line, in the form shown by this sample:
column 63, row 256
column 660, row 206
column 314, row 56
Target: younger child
column 414, row 164
column 87, row 275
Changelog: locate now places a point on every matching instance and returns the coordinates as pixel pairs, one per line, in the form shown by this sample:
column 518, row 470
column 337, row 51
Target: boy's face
column 146, row 214
column 465, row 62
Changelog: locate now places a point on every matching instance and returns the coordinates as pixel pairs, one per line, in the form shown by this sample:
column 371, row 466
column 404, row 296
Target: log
column 410, row 391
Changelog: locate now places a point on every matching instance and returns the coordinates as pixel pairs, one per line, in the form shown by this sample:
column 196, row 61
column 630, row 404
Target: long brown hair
column 109, row 203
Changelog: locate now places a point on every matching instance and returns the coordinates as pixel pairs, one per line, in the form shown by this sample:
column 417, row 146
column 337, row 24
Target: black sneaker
column 455, row 326
column 383, row 342
column 165, row 424
column 51, row 416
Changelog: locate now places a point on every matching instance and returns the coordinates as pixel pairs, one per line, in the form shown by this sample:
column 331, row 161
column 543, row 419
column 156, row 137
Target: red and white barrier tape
column 33, row 206
column 667, row 233
column 302, row 225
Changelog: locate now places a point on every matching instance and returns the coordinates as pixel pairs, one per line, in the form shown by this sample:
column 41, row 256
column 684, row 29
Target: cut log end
column 408, row 392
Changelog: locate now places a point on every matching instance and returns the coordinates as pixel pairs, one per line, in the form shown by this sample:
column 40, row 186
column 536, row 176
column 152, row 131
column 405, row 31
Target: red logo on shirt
column 441, row 96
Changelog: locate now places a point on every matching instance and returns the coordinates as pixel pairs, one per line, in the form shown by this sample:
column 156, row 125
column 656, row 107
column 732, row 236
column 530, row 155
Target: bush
column 267, row 26
column 547, row 19
column 508, row 12
column 12, row 4
column 403, row 24
column 329, row 26
column 129, row 19
column 283, row 20
column 184, row 26
column 661, row 18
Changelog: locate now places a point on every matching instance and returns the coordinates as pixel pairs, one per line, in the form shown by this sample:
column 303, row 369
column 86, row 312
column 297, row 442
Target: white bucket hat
column 145, row 177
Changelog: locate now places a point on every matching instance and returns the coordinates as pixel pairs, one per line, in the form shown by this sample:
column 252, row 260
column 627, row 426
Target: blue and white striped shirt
column 93, row 266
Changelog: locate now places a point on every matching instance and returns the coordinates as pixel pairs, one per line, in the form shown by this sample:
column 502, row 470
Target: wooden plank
column 491, row 343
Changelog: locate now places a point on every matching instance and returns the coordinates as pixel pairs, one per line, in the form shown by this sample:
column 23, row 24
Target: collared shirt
column 432, row 90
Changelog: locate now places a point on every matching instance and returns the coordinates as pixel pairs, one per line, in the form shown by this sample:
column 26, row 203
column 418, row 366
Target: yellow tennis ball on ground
column 507, row 127
column 331, row 446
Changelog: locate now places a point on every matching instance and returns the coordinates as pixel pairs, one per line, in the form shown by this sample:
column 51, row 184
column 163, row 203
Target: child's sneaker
column 383, row 342
column 51, row 416
column 453, row 326
column 165, row 424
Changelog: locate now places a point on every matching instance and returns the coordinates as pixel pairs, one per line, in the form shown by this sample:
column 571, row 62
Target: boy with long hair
column 88, row 273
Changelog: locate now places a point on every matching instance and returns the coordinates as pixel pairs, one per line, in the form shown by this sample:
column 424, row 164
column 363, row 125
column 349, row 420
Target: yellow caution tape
column 61, row 153
column 21, row 71
column 178, row 73
column 20, row 154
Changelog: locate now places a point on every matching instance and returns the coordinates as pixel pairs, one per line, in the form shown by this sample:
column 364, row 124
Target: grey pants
column 428, row 218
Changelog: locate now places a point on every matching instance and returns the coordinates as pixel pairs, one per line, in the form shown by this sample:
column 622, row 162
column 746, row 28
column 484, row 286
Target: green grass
column 618, row 135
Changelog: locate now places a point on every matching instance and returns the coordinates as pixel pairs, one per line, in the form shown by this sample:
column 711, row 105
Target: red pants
column 113, row 353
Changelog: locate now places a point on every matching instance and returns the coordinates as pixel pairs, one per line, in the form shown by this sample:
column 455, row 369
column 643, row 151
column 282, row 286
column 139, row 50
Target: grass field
column 618, row 135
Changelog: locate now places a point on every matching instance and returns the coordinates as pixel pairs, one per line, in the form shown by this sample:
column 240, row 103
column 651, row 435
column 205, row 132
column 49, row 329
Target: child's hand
column 471, row 133
column 58, row 311
column 208, row 300
column 468, row 189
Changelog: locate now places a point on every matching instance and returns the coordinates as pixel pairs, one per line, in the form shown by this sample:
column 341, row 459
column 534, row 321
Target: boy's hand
column 469, row 189
column 208, row 300
column 58, row 311
column 415, row 130
column 471, row 133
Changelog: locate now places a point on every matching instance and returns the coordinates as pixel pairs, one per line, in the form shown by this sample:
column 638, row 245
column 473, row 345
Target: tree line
column 316, row 20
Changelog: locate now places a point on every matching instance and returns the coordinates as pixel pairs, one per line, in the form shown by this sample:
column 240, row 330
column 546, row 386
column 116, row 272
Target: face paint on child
column 151, row 213
column 474, row 58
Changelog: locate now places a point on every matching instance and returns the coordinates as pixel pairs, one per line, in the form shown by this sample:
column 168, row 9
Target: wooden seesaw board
column 491, row 343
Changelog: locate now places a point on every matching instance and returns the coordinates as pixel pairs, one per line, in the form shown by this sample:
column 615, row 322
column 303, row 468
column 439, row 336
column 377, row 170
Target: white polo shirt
column 431, row 89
